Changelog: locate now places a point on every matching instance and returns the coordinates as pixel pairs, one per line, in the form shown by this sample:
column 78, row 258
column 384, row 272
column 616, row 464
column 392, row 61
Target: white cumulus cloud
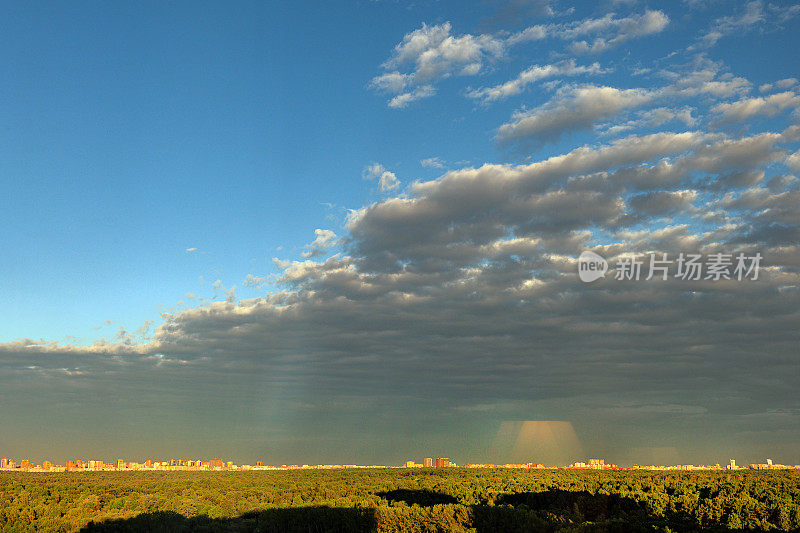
column 532, row 75
column 576, row 109
column 387, row 180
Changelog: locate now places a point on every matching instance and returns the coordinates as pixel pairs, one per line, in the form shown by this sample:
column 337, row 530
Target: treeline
column 401, row 500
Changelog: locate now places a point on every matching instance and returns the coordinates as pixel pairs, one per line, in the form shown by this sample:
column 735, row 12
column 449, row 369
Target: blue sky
column 135, row 133
column 156, row 155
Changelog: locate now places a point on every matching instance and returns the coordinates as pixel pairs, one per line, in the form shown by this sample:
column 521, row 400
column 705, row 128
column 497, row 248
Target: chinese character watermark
column 686, row 266
column 591, row 266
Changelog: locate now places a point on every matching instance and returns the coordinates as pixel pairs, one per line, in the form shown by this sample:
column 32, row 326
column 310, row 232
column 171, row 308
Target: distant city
column 121, row 465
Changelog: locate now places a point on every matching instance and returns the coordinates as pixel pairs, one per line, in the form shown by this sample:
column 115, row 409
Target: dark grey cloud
column 657, row 203
column 460, row 301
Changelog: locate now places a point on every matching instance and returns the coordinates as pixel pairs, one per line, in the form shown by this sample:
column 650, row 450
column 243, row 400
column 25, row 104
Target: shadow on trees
column 557, row 510
column 293, row 520
column 564, row 510
column 429, row 511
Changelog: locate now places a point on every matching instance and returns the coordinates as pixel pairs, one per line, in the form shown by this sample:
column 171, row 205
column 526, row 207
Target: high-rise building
column 25, row 464
column 428, row 462
column 216, row 463
column 47, row 465
column 120, row 464
column 4, row 463
column 442, row 462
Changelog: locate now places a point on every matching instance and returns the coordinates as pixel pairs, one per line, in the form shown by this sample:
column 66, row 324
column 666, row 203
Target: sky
column 349, row 232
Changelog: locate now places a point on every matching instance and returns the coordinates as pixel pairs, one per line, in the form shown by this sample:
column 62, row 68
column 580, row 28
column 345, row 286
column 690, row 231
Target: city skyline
column 341, row 232
column 217, row 464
